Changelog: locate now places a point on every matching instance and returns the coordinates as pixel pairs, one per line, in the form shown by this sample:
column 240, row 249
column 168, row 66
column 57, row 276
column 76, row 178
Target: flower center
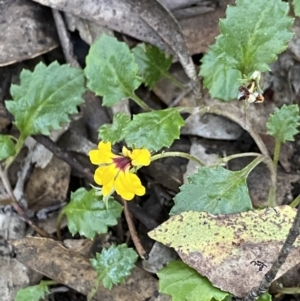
column 122, row 163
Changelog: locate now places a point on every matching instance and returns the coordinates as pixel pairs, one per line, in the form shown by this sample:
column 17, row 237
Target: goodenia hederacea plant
column 114, row 132
column 296, row 4
column 35, row 292
column 45, row 98
column 112, row 72
column 7, row 147
column 283, row 125
column 88, row 214
column 214, row 190
column 153, row 64
column 152, row 130
column 184, row 283
column 113, row 265
column 252, row 35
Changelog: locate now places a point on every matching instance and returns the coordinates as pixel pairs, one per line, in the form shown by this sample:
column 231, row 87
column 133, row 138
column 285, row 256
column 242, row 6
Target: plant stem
column 235, row 156
column 176, row 154
column 276, row 153
column 295, row 202
column 137, row 243
column 140, row 102
column 252, row 165
column 284, row 252
column 18, row 207
column 49, row 282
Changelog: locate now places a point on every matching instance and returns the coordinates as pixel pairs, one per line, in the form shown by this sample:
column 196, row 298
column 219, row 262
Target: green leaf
column 234, row 251
column 214, row 190
column 114, row 132
column 113, row 265
column 153, row 63
column 32, row 293
column 87, row 213
column 183, row 283
column 154, row 130
column 265, row 297
column 45, row 98
column 111, row 70
column 223, row 81
column 7, row 147
column 246, row 44
column 283, row 123
column 296, row 4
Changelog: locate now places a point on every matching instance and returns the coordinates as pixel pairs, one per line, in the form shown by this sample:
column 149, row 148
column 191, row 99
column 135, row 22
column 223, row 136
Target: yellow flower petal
column 102, row 155
column 140, row 157
column 126, row 152
column 105, row 175
column 128, row 184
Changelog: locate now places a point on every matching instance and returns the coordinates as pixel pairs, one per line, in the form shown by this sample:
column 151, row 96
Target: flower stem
column 176, row 154
column 18, row 207
column 276, row 153
column 235, row 156
column 140, row 102
column 295, row 202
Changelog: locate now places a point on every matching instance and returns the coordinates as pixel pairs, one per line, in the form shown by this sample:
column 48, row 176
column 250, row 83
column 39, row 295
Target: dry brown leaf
column 26, row 31
column 233, row 251
column 49, row 186
column 70, row 268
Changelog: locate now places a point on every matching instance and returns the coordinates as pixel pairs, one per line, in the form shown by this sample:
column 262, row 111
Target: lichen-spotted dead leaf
column 233, row 251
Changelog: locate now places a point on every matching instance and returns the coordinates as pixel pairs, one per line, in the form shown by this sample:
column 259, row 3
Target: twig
column 65, row 156
column 137, row 243
column 284, row 252
column 18, row 207
column 64, row 39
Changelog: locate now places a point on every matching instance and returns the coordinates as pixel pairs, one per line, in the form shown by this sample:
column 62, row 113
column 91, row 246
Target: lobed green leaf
column 111, row 70
column 114, row 132
column 214, row 190
column 154, row 130
column 45, row 98
column 181, row 282
column 284, row 122
column 32, row 293
column 296, row 4
column 87, row 213
column 248, row 42
column 7, row 147
column 153, row 63
column 113, row 265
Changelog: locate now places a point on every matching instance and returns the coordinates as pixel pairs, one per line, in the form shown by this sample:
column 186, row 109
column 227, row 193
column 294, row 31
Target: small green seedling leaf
column 33, row 293
column 87, row 213
column 114, row 132
column 184, row 283
column 7, row 147
column 245, row 45
column 214, row 190
column 111, row 70
column 153, row 63
column 45, row 98
column 113, row 265
column 233, row 251
column 154, row 130
column 296, row 4
column 284, row 122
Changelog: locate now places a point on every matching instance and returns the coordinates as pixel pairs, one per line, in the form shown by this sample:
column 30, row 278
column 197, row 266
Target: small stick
column 64, row 39
column 284, row 252
column 65, row 156
column 18, row 207
column 137, row 243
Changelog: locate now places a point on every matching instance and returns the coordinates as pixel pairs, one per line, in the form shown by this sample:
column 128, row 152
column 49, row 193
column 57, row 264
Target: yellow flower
column 114, row 171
